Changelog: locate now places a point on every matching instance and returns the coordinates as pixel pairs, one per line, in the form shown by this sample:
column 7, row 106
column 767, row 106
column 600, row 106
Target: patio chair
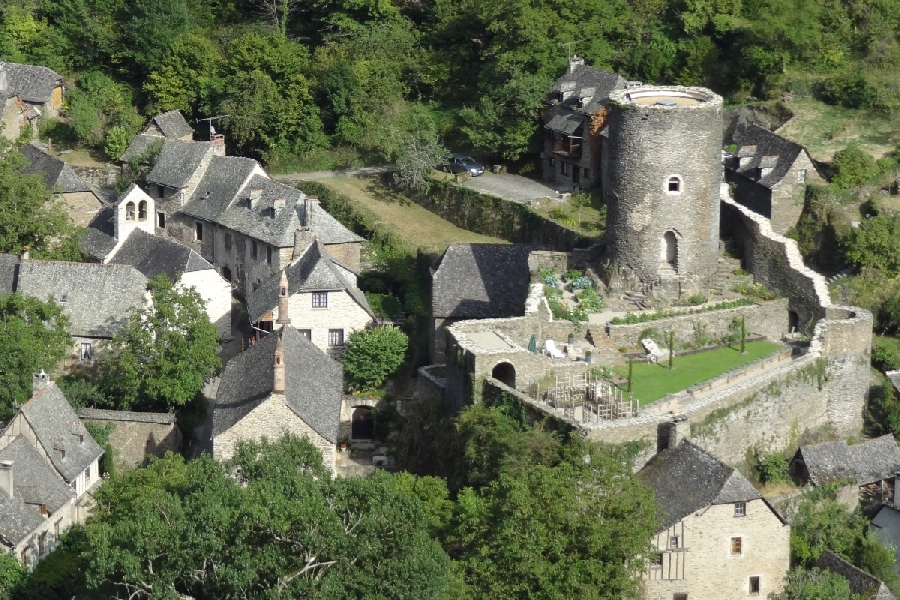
column 552, row 351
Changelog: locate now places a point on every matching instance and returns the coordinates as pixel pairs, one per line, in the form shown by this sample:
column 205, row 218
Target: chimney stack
column 283, row 298
column 278, row 365
column 279, row 204
column 254, row 198
column 6, row 477
column 39, row 381
column 218, row 144
column 574, row 62
column 670, row 434
column 311, row 204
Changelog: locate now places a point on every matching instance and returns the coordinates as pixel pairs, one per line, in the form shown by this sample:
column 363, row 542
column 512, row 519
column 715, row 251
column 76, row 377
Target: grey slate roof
column 772, row 152
column 58, row 428
column 100, row 238
column 868, row 462
column 589, row 83
column 9, row 272
column 315, row 271
column 125, row 416
column 217, row 200
column 481, row 281
column 860, row 582
column 686, row 479
column 54, row 171
column 565, row 122
column 313, row 384
column 97, row 297
column 32, row 83
column 172, row 124
column 17, row 520
column 139, row 145
column 34, row 481
column 151, row 255
column 177, row 162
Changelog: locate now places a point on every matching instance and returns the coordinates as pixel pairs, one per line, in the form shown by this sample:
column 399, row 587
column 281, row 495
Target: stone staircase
column 724, row 279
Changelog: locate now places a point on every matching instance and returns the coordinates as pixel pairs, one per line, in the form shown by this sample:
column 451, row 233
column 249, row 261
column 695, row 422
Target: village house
column 80, row 202
column 167, row 125
column 325, row 304
column 770, row 175
column 719, row 539
column 573, row 123
column 868, row 467
column 136, row 436
column 48, row 463
column 861, row 583
column 477, row 281
column 283, row 384
column 28, row 92
column 96, row 298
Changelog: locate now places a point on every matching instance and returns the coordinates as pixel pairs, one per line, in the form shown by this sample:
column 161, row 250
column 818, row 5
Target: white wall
column 216, row 293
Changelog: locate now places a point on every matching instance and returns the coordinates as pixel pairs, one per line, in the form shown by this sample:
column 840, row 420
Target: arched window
column 673, row 184
column 129, row 211
column 142, row 210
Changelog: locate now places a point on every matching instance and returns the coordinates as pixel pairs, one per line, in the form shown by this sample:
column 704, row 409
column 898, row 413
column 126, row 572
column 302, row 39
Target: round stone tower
column 661, row 176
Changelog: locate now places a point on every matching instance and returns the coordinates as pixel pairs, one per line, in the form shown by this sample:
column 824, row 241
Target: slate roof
column 97, row 297
column 151, row 255
column 125, row 416
column 177, row 162
column 140, row 144
column 771, row 152
column 172, row 124
column 54, row 171
column 57, row 428
column 17, row 520
column 589, row 83
column 34, row 481
column 481, row 281
column 860, row 582
column 313, row 384
column 686, row 479
column 9, row 271
column 564, row 122
column 32, row 83
column 221, row 198
column 868, row 462
column 100, row 238
column 315, row 271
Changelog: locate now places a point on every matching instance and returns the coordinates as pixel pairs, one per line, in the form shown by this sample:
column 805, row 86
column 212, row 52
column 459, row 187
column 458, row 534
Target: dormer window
column 579, row 103
column 674, row 184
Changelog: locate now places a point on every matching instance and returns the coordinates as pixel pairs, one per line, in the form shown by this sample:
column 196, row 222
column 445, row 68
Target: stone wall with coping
column 98, row 177
column 768, row 318
column 136, row 436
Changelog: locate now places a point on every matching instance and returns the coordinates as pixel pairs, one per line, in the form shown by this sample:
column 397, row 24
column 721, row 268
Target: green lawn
column 653, row 381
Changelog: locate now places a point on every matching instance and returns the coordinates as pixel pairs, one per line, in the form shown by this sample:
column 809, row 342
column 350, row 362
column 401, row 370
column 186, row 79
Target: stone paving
column 511, row 187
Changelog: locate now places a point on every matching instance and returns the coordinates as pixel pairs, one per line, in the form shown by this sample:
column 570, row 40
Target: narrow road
column 359, row 171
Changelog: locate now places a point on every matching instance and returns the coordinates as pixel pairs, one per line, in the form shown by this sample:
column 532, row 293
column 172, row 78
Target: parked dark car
column 457, row 163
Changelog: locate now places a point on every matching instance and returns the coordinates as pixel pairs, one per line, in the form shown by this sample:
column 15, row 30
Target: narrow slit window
column 673, row 186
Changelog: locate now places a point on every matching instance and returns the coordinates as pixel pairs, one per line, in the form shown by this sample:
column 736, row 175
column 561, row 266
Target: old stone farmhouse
column 325, row 304
column 48, row 463
column 96, row 298
column 171, row 124
column 283, row 384
column 770, row 174
column 719, row 540
column 573, row 125
column 28, row 92
column 136, row 436
column 80, row 202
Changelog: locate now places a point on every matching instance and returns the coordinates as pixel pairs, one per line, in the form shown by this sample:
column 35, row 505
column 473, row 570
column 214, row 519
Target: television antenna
column 212, row 130
column 570, row 46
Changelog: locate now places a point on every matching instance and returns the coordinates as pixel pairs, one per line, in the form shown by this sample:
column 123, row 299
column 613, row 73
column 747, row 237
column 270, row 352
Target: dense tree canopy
column 372, row 356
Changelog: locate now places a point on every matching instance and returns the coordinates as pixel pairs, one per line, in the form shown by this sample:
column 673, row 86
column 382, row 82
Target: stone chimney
column 218, row 144
column 278, row 365
column 6, row 477
column 574, row 62
column 39, row 381
column 670, row 434
column 311, row 204
column 302, row 239
column 279, row 204
column 253, row 200
column 283, row 298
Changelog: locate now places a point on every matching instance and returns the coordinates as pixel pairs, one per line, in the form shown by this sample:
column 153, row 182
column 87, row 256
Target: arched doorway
column 506, row 373
column 670, row 249
column 362, row 424
column 793, row 321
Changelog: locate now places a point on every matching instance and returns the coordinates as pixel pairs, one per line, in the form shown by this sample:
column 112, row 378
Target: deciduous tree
column 373, row 355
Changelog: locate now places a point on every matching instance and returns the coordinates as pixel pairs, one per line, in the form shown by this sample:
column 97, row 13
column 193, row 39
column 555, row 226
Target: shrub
column 590, row 301
column 697, row 299
column 853, row 167
column 572, row 275
column 885, row 356
column 756, row 290
column 772, row 468
column 116, row 142
column 373, row 355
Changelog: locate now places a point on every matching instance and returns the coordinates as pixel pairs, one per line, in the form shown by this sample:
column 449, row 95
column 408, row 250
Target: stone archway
column 668, row 252
column 793, row 321
column 506, row 373
column 362, row 425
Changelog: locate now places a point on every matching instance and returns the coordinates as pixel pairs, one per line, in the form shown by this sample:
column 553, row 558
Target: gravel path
column 511, row 187
column 362, row 171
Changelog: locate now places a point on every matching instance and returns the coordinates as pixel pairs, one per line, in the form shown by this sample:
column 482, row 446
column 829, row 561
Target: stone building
column 573, row 125
column 48, row 464
column 770, row 174
column 28, row 92
column 136, row 436
column 867, row 586
column 108, row 230
column 325, row 304
column 719, row 540
column 80, row 202
column 283, row 384
column 661, row 178
column 171, row 125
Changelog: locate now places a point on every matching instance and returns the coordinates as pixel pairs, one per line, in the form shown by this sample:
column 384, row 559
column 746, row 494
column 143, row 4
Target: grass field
column 824, row 128
column 407, row 219
column 653, row 381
